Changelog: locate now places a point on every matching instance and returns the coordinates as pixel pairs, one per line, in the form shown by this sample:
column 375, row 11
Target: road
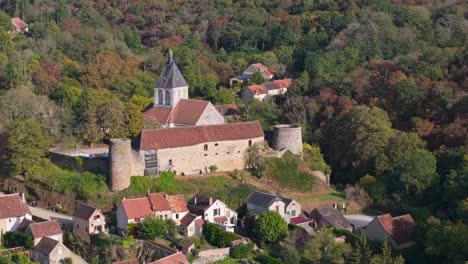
column 51, row 215
column 359, row 220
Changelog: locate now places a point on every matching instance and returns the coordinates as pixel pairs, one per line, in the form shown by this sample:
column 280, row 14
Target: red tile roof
column 177, row 258
column 257, row 89
column 177, row 203
column 187, row 220
column 187, row 112
column 137, row 207
column 151, row 139
column 84, row 211
column 227, row 109
column 299, row 220
column 43, row 229
column 12, row 205
column 273, row 85
column 399, row 228
column 221, row 219
column 18, row 23
column 159, row 202
column 284, row 83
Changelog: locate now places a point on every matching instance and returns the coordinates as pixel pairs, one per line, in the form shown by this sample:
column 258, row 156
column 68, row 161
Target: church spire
column 170, row 58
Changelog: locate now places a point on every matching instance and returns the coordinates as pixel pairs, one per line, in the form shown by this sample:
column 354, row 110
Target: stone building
column 50, row 251
column 88, row 221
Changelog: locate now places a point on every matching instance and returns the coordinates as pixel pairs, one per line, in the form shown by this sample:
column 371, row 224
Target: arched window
column 205, row 147
column 160, row 97
column 250, row 143
column 168, row 98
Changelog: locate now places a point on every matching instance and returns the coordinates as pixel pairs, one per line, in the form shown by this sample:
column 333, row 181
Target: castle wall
column 226, row 155
column 287, row 137
column 120, row 163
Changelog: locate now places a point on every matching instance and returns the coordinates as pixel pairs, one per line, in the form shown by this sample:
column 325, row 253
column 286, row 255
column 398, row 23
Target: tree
column 27, row 144
column 409, row 96
column 18, row 239
column 88, row 129
column 256, row 78
column 361, row 251
column 386, row 256
column 324, row 249
column 271, row 227
column 216, row 236
column 153, row 227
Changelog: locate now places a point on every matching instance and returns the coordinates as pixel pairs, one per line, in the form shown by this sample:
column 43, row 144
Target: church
column 173, row 108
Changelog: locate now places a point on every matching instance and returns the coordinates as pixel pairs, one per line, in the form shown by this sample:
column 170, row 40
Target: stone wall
column 96, row 165
column 287, row 137
column 211, row 255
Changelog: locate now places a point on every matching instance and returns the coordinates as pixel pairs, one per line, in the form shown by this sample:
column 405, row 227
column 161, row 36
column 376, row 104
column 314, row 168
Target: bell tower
column 170, row 86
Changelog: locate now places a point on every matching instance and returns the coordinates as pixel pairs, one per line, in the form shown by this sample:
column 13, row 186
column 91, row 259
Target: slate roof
column 12, row 205
column 171, row 76
column 84, row 211
column 399, row 228
column 263, row 199
column 186, row 112
column 44, row 229
column 46, row 245
column 333, row 216
column 177, row 258
column 24, row 225
column 175, row 137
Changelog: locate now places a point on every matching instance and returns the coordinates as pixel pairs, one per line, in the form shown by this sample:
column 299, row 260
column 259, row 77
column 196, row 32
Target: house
column 50, row 229
column 301, row 221
column 267, row 90
column 193, row 150
column 228, row 111
column 49, row 251
column 19, row 25
column 266, row 73
column 13, row 210
column 213, row 210
column 260, row 202
column 396, row 229
column 187, row 247
column 177, row 258
column 173, row 108
column 191, row 225
column 88, row 221
column 328, row 215
column 168, row 207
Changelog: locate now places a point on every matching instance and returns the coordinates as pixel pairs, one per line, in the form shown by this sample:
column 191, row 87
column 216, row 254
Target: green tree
column 216, row 236
column 153, row 227
column 18, row 239
column 361, row 253
column 409, row 96
column 6, row 44
column 324, row 249
column 271, row 227
column 5, row 21
column 256, row 78
column 386, row 256
column 27, row 144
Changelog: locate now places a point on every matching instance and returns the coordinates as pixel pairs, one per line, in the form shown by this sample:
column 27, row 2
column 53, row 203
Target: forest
column 382, row 87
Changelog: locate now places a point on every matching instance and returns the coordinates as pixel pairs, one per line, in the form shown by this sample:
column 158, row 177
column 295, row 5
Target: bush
column 241, row 251
column 216, row 236
column 213, row 168
column 153, row 227
column 271, row 227
column 18, row 239
column 266, row 259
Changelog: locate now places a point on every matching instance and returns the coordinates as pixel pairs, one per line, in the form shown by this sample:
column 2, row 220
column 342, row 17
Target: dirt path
column 51, row 215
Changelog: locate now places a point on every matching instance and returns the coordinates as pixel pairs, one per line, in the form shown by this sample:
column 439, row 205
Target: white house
column 267, row 90
column 213, row 210
column 13, row 209
column 191, row 225
column 50, row 229
column 260, row 202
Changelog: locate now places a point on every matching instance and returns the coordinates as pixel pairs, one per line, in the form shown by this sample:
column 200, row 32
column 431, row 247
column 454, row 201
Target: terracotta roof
column 46, row 245
column 177, row 258
column 18, row 23
column 130, row 261
column 159, row 202
column 43, row 229
column 187, row 112
column 200, row 222
column 84, row 211
column 12, row 205
column 257, row 89
column 259, row 66
column 151, row 139
column 399, row 228
column 299, row 220
column 187, row 219
column 334, row 217
column 177, row 203
column 228, row 109
column 284, row 83
column 221, row 219
column 136, row 207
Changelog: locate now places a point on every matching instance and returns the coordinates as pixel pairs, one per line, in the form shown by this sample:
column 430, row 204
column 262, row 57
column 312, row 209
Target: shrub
column 216, row 236
column 213, row 168
column 153, row 227
column 18, row 239
column 241, row 251
column 271, row 227
column 266, row 259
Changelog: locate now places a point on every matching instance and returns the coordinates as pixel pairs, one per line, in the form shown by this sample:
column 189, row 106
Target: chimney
column 195, row 200
column 210, row 201
column 23, row 198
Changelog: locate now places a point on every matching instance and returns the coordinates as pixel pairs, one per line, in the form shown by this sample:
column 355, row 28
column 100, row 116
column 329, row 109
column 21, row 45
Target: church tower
column 171, row 86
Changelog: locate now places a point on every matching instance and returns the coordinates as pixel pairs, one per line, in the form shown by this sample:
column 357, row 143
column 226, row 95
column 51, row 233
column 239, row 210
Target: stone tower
column 287, row 137
column 171, row 85
column 120, row 163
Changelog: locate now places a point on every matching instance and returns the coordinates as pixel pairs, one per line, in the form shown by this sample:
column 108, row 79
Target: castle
column 194, row 137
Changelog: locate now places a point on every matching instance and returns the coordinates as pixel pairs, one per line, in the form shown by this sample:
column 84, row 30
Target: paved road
column 359, row 220
column 51, row 215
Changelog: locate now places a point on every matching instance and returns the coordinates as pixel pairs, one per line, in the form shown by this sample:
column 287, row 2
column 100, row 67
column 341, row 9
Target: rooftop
column 171, row 76
column 399, row 227
column 12, row 205
column 44, row 229
column 84, row 211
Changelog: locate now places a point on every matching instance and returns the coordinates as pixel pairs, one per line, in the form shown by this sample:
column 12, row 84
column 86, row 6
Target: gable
column 210, row 116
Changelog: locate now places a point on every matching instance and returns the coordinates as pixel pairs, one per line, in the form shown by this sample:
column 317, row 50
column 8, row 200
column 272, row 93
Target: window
column 216, row 212
column 228, row 213
column 216, row 153
column 216, row 144
column 293, row 213
column 227, row 153
column 177, row 216
column 205, row 147
column 170, row 162
column 160, row 97
column 277, row 208
column 168, row 98
column 250, row 143
column 206, row 155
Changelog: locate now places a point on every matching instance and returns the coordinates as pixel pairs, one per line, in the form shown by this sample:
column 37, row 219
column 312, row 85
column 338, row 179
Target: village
column 194, row 138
